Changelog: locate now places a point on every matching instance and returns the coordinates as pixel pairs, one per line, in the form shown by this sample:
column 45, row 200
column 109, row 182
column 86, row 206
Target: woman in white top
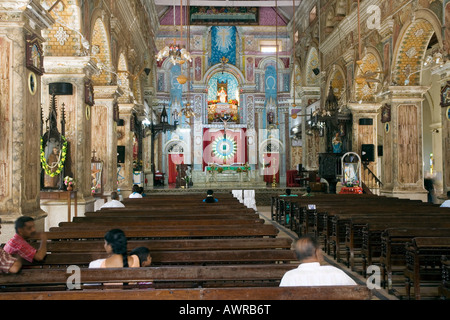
column 135, row 192
column 116, row 248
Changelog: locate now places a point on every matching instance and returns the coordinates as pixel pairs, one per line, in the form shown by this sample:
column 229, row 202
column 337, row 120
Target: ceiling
column 285, row 8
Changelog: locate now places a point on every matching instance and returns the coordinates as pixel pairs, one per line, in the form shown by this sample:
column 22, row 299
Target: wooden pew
column 173, row 245
column 238, row 294
column 160, row 277
column 364, row 233
column 423, row 263
column 195, row 257
column 393, row 249
column 444, row 289
column 264, row 230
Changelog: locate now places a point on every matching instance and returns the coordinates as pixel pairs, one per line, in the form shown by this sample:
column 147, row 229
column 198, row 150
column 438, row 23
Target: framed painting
column 34, row 55
column 445, row 96
column 386, row 113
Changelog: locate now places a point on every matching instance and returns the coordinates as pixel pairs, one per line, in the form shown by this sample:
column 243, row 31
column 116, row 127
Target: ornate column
column 104, row 120
column 310, row 151
column 365, row 131
column 403, row 175
column 77, row 71
column 20, row 88
column 125, row 139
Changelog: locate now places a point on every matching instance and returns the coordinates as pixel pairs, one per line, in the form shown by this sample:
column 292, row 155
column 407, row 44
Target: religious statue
column 222, row 96
column 53, row 162
column 337, row 144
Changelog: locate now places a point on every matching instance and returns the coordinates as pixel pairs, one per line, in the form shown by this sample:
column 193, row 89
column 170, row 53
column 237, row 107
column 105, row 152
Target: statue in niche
column 53, row 162
column 337, row 143
column 222, row 96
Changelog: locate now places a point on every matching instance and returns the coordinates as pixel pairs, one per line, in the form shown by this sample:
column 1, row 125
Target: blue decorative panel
column 223, row 44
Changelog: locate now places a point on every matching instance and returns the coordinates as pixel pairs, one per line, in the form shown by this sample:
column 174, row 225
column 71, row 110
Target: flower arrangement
column 233, row 102
column 354, row 183
column 211, row 102
column 62, row 159
column 69, row 181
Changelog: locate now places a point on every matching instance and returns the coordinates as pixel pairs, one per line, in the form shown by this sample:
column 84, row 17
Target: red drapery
column 210, row 135
column 174, row 159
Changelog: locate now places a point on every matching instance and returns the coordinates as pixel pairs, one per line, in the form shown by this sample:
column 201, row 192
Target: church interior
column 180, row 97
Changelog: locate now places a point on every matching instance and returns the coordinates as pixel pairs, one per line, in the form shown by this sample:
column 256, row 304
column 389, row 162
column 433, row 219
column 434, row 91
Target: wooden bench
column 423, row 263
column 172, row 257
column 238, row 294
column 363, row 234
column 174, row 245
column 393, row 249
column 444, row 289
column 252, row 275
column 264, row 230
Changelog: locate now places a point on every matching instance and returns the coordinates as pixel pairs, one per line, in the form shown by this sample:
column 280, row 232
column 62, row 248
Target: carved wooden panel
column 5, row 118
column 408, row 144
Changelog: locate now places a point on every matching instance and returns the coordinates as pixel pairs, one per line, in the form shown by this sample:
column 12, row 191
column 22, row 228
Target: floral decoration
column 62, row 160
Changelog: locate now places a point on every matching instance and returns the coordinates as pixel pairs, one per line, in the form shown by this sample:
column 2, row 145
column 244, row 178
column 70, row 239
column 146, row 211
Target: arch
column 123, row 77
column 411, row 48
column 312, row 62
column 371, row 62
column 101, row 52
column 337, row 80
column 230, row 69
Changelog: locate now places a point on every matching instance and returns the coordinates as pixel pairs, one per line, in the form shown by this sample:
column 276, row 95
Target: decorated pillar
column 21, row 69
column 105, row 118
column 75, row 73
column 125, row 140
column 403, row 175
column 365, row 135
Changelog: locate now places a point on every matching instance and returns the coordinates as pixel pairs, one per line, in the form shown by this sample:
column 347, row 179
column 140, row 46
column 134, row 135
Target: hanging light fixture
column 175, row 52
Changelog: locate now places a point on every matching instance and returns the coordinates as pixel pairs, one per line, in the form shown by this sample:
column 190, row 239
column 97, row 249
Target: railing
column 370, row 180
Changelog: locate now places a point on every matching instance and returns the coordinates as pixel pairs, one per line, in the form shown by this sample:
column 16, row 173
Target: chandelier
column 175, row 52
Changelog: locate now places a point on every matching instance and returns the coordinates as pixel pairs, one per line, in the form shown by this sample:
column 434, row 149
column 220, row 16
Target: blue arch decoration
column 232, row 85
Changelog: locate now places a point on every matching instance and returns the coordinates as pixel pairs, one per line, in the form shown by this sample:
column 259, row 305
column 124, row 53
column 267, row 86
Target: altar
column 217, row 111
column 227, row 173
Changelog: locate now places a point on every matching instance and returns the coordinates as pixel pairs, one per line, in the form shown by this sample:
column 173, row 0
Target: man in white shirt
column 114, row 203
column 310, row 272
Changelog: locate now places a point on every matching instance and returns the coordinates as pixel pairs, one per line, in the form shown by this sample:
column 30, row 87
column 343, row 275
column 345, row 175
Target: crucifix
column 223, row 34
column 225, row 118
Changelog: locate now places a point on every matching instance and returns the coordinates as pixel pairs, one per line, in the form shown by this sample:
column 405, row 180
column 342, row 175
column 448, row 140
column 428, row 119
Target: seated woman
column 210, row 197
column 135, row 192
column 116, row 248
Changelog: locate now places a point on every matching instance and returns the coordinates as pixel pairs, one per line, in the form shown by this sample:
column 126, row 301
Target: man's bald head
column 307, row 249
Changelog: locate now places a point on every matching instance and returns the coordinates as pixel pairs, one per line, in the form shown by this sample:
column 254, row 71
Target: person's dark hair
column 306, row 247
column 288, row 192
column 20, row 222
column 141, row 190
column 308, row 189
column 114, row 195
column 210, row 196
column 135, row 188
column 118, row 241
column 142, row 253
column 209, row 192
